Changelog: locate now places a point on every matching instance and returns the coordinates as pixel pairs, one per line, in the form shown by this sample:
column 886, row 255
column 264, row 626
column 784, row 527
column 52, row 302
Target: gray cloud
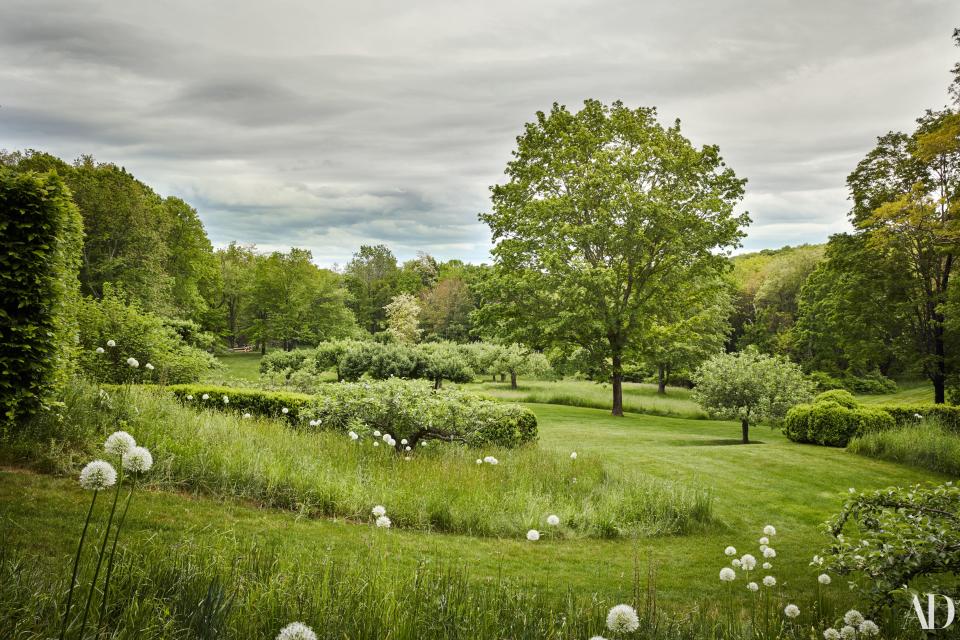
column 328, row 125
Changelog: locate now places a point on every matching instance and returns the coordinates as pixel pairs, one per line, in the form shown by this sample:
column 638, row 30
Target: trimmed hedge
column 841, row 396
column 42, row 238
column 254, row 401
column 905, row 415
column 409, row 410
column 831, row 424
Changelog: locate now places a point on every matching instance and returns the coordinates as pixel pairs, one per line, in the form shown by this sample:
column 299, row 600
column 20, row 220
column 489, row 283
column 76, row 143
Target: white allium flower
column 767, row 566
column 392, row 442
column 226, row 399
column 379, row 510
column 132, row 363
column 918, row 416
column 98, row 475
column 748, row 562
column 247, row 416
column 853, row 617
column 284, row 410
column 205, row 396
column 296, row 631
column 387, row 437
column 111, row 343
column 770, row 581
column 597, row 638
column 137, row 460
column 869, row 628
column 383, row 522
column 852, row 490
column 727, row 574
column 753, row 586
column 313, row 423
column 573, row 455
column 99, row 349
column 763, row 548
column 491, row 460
column 403, row 441
column 769, row 552
column 353, row 435
column 730, row 551
column 148, row 366
column 823, row 578
column 831, row 634
column 553, row 520
column 407, row 448
column 376, row 434
column 533, row 535
column 119, row 442
column 407, row 458
column 189, row 396
column 376, row 443
column 764, row 540
column 479, row 461
column 791, row 611
column 848, row 633
column 623, row 619
column 735, row 562
column 423, row 444
column 769, row 530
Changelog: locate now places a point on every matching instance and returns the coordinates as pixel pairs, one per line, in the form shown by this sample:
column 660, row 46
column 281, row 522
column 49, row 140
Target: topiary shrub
column 841, row 396
column 42, row 236
column 831, row 424
column 289, row 361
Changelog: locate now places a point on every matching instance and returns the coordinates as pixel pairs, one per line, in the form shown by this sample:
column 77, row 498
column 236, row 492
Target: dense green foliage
column 909, row 414
column 826, row 422
column 137, row 334
column 894, row 537
column 42, row 234
column 750, row 387
column 587, row 250
column 406, row 410
column 926, row 444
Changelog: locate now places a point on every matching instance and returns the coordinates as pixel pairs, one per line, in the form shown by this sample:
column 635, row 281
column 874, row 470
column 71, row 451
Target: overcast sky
column 330, row 124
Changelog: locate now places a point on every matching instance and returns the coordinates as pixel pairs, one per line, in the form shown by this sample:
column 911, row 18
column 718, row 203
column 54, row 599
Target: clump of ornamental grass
column 438, row 487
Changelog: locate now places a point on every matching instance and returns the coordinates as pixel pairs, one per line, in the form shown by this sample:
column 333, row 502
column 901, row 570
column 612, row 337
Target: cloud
column 329, row 125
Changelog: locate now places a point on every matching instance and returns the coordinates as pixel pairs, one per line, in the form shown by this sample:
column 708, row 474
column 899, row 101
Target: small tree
column 750, row 386
column 519, row 360
column 403, row 317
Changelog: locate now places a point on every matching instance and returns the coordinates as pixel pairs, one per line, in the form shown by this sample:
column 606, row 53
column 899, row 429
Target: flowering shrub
column 898, row 535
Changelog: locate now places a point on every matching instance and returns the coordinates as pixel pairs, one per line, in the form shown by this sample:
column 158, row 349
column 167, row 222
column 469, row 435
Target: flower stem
column 76, row 565
column 103, row 548
column 113, row 553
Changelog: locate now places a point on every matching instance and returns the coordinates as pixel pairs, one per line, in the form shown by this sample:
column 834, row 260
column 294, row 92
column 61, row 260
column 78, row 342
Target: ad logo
column 928, row 621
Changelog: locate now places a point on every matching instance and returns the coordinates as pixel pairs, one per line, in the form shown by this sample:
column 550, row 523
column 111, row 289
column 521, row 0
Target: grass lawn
column 238, row 366
column 794, row 487
column 913, row 392
column 638, row 398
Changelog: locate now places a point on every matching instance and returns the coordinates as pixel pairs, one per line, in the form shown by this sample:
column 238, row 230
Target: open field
column 237, row 366
column 795, row 487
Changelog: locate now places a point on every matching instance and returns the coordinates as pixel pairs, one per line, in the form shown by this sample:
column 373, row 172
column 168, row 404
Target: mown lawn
column 912, row 392
column 774, row 481
column 238, row 366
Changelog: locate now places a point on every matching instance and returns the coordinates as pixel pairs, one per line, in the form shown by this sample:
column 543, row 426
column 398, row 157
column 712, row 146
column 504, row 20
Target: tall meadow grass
column 926, row 444
column 439, row 488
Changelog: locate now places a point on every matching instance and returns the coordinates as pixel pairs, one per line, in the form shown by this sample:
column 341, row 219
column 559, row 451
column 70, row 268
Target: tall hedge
column 42, row 236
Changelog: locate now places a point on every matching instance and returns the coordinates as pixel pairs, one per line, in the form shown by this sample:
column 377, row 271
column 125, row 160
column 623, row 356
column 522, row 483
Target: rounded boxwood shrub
column 841, row 396
column 826, row 422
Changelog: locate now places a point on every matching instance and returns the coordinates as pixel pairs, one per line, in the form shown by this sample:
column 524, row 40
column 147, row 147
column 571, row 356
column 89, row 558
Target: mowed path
column 794, row 487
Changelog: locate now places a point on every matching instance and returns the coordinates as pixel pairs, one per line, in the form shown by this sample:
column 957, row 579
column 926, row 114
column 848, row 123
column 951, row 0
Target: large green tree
column 604, row 210
column 371, row 277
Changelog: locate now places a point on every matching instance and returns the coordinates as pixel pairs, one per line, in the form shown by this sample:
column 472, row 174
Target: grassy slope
column 794, row 487
column 916, row 392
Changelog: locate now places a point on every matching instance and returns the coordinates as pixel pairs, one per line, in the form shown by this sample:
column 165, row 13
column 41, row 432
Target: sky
column 327, row 125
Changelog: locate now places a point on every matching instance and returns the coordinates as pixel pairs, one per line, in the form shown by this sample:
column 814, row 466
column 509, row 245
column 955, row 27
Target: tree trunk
column 437, row 383
column 263, row 348
column 661, row 379
column 503, row 377
column 745, row 430
column 513, row 379
column 939, row 377
column 617, row 386
column 494, row 377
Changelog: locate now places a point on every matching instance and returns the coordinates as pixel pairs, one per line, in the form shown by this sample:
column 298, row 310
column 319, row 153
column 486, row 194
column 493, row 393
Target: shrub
column 841, row 396
column 831, row 424
column 946, row 415
column 290, row 361
column 254, row 401
column 42, row 236
column 927, row 444
column 137, row 334
column 396, row 360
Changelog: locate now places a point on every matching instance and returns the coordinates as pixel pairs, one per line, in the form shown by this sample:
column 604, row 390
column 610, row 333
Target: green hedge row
column 945, row 414
column 407, row 410
column 42, row 235
column 831, row 424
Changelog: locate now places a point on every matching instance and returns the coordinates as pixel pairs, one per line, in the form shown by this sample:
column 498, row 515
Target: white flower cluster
column 623, row 619
column 380, row 513
column 855, row 625
column 296, row 631
column 98, row 475
column 133, row 458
